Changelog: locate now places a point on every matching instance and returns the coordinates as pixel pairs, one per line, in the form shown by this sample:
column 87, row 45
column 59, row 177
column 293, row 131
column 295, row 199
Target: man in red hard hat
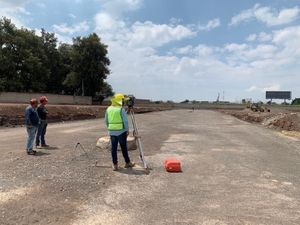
column 42, row 112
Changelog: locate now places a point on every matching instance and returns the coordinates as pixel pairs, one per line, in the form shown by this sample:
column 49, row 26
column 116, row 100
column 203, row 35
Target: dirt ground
column 234, row 172
column 13, row 114
column 284, row 119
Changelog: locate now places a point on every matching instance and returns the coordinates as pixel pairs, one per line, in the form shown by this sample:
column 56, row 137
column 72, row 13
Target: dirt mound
column 287, row 121
column 282, row 120
column 250, row 117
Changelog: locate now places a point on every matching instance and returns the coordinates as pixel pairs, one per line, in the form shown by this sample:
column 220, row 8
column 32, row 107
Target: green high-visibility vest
column 115, row 121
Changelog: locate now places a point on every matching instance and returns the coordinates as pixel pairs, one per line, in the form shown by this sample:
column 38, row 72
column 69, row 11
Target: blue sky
column 179, row 49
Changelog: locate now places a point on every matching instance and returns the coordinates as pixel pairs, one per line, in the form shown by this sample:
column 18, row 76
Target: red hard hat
column 43, row 99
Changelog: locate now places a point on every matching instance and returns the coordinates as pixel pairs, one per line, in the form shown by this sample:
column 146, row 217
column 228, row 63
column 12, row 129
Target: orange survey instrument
column 173, row 165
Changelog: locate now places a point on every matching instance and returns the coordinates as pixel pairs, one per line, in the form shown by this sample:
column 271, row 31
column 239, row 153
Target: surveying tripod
column 138, row 139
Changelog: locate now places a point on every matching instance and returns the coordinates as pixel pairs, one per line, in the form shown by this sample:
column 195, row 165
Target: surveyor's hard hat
column 118, row 99
column 43, row 99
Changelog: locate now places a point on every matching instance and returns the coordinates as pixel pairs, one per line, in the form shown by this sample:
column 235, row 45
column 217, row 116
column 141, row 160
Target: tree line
column 39, row 63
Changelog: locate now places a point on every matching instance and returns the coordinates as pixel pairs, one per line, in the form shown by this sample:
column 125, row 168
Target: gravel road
column 233, row 173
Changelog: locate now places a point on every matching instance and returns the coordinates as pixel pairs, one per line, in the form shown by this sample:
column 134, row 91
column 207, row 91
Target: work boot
column 45, row 146
column 115, row 167
column 31, row 152
column 129, row 165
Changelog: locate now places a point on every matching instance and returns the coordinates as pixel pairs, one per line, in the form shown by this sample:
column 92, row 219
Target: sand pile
column 284, row 121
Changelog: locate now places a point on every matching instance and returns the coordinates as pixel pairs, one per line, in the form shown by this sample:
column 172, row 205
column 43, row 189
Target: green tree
column 20, row 59
column 106, row 91
column 35, row 63
column 52, row 62
column 6, row 31
column 65, row 53
column 89, row 65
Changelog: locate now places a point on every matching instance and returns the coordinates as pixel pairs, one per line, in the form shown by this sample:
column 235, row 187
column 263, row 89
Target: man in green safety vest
column 116, row 121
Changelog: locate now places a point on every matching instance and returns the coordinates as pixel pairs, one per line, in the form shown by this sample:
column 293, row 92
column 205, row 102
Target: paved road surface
column 233, row 173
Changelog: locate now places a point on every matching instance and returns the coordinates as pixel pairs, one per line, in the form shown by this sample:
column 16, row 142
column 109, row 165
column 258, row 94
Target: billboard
column 278, row 95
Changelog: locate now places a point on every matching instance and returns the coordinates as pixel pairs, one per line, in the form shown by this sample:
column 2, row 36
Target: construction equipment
column 130, row 103
column 259, row 107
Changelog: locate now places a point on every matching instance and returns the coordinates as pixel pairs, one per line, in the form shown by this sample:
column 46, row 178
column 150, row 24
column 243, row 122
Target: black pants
column 40, row 136
column 122, row 139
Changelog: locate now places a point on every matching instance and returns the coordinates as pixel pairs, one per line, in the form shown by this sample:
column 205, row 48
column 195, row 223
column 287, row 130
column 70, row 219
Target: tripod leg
column 138, row 139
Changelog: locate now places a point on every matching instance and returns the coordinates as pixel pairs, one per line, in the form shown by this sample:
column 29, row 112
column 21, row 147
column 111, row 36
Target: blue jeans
column 40, row 137
column 122, row 139
column 31, row 131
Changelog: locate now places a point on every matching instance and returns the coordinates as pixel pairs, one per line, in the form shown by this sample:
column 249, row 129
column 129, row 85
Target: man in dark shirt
column 42, row 112
column 32, row 123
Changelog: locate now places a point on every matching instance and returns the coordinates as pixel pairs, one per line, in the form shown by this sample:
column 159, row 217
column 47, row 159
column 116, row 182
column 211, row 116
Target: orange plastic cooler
column 173, row 165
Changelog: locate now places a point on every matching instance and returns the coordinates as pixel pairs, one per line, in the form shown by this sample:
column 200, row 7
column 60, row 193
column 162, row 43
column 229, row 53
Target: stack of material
column 104, row 143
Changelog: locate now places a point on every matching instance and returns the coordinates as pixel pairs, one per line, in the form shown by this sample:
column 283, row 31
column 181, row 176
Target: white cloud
column 139, row 34
column 75, row 28
column 14, row 10
column 183, row 51
column 199, row 50
column 271, row 18
column 262, row 37
column 287, row 40
column 251, row 37
column 243, row 16
column 252, row 88
column 249, row 55
column 288, row 36
column 118, row 7
column 61, row 38
column 150, row 34
column 175, row 21
column 111, row 26
column 267, row 15
column 64, row 38
column 212, row 24
column 193, row 71
column 273, row 87
column 104, row 22
column 11, row 15
column 71, row 15
column 261, row 51
column 233, row 47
